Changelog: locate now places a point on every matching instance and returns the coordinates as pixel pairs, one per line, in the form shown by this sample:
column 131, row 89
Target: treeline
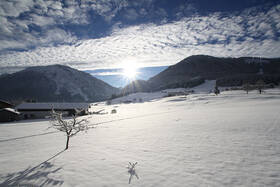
column 182, row 84
column 239, row 80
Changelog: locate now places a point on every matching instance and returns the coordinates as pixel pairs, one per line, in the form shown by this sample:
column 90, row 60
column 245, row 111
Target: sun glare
column 130, row 70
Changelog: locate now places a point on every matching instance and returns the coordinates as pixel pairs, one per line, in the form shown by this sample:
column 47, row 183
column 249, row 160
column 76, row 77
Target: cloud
column 49, row 38
column 8, row 69
column 253, row 32
column 108, row 73
column 41, row 20
column 26, row 21
column 107, row 8
column 15, row 8
column 186, row 9
column 131, row 14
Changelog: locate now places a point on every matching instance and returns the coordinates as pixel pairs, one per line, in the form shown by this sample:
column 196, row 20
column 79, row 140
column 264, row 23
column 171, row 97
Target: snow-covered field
column 232, row 139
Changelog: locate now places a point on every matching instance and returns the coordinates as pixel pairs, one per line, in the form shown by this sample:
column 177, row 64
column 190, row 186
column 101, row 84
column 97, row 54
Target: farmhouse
column 4, row 104
column 9, row 114
column 43, row 110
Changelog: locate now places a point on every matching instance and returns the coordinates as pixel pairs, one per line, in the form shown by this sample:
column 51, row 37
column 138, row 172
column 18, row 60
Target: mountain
column 54, row 83
column 193, row 70
column 136, row 86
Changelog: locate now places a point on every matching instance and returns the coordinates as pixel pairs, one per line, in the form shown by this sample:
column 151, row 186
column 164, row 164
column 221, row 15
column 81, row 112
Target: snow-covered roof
column 55, row 106
column 10, row 110
column 5, row 102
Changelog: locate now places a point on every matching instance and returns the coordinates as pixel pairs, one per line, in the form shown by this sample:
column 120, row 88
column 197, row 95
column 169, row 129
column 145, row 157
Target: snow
column 206, row 87
column 61, row 79
column 196, row 140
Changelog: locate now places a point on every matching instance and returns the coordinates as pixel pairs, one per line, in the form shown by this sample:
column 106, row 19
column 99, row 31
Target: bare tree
column 216, row 90
column 71, row 127
column 246, row 87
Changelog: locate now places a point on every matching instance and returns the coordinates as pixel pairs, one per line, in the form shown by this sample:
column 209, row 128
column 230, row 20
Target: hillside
column 54, row 83
column 198, row 140
column 193, row 70
column 136, row 86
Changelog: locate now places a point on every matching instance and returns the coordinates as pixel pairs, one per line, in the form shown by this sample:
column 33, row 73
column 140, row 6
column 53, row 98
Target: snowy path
column 202, row 140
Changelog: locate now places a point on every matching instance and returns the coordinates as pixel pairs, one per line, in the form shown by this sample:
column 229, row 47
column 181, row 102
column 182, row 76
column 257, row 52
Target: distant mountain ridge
column 54, row 83
column 193, row 70
column 57, row 83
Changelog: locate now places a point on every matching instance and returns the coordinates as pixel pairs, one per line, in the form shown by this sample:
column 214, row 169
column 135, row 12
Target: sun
column 130, row 71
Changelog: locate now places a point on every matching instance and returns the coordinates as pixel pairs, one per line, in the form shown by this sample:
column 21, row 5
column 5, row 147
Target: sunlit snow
column 197, row 140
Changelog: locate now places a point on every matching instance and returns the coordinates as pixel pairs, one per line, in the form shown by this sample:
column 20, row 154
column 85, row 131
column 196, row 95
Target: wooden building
column 43, row 110
column 5, row 104
column 9, row 114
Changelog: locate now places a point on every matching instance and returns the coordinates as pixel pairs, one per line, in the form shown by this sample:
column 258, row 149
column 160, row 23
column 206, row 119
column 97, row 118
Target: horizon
column 115, row 76
column 93, row 35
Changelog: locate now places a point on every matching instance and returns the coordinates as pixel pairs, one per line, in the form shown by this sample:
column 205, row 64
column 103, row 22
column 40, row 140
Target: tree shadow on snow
column 39, row 173
column 28, row 136
column 132, row 171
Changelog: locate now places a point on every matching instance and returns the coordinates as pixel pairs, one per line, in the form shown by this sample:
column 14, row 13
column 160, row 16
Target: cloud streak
column 252, row 32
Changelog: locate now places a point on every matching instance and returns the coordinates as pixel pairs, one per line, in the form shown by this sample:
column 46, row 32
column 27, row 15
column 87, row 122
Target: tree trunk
column 67, row 142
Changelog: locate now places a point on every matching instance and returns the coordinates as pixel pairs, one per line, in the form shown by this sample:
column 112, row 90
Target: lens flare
column 130, row 71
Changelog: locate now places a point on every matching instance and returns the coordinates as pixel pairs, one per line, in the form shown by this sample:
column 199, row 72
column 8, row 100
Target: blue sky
column 103, row 34
column 115, row 76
